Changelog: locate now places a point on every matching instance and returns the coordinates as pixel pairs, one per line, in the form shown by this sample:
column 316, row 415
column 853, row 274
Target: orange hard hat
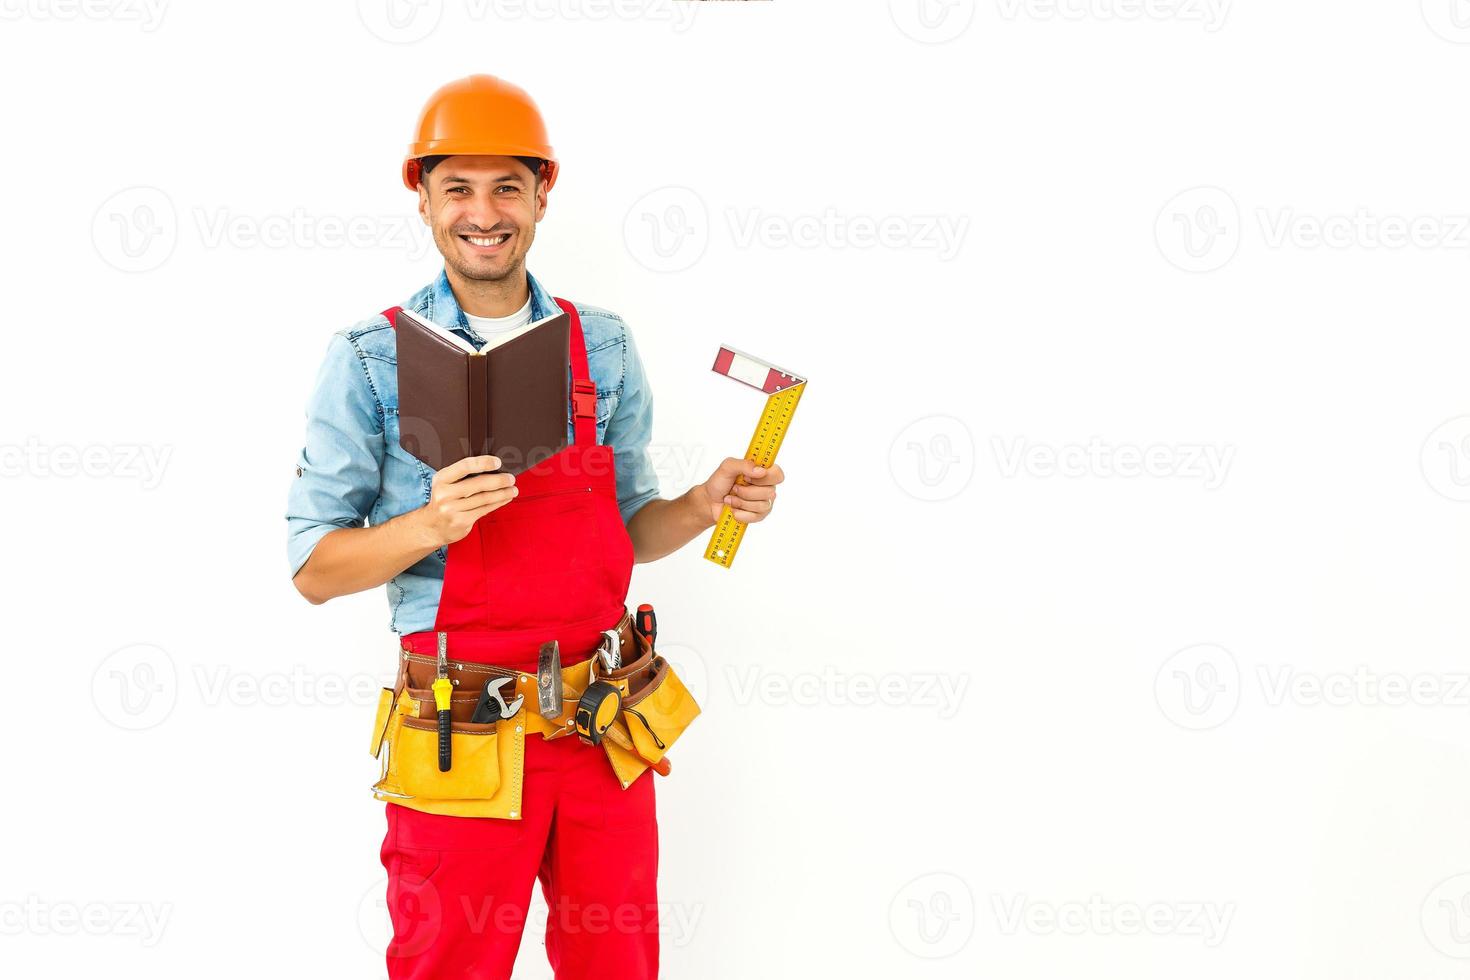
column 483, row 115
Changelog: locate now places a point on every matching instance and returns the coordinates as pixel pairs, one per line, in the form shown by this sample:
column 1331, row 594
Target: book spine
column 479, row 406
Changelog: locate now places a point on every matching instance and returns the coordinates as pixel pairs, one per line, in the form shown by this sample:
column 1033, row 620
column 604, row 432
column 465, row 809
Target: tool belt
column 487, row 760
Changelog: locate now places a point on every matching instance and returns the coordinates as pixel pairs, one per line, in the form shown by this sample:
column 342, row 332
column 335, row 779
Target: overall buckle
column 584, row 398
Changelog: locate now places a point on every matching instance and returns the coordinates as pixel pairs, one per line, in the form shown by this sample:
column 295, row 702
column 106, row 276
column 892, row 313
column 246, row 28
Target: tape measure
column 783, row 392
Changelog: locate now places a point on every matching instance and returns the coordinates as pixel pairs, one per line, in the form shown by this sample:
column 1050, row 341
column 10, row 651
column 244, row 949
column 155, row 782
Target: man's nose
column 482, row 213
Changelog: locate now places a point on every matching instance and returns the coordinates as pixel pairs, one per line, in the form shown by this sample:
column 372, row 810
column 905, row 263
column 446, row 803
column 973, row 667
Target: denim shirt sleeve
column 629, row 431
column 340, row 466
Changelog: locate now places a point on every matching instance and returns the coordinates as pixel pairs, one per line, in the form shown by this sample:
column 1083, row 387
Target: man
column 493, row 564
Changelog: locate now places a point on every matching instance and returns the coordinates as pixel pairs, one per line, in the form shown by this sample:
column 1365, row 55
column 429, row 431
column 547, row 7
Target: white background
column 1206, row 717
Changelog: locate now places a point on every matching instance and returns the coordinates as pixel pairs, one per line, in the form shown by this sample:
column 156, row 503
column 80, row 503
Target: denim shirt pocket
column 607, row 403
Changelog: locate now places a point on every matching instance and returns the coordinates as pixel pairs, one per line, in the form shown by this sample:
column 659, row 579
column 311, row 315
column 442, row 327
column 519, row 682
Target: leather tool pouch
column 657, row 708
column 488, row 759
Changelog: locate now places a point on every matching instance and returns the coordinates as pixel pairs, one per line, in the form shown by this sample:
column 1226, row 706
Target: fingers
column 472, row 486
column 467, row 467
column 750, row 504
column 762, row 477
column 490, row 499
column 750, row 492
column 751, row 473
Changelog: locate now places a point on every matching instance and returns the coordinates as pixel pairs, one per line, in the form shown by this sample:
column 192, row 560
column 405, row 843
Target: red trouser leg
column 459, row 887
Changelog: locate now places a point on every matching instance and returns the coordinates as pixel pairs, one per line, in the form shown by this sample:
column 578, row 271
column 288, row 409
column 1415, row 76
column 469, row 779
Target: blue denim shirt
column 352, row 470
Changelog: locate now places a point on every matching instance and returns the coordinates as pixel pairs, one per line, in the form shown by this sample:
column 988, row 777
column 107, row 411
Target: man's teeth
column 486, row 242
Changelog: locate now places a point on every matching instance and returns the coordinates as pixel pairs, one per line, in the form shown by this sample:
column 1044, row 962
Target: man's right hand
column 461, row 494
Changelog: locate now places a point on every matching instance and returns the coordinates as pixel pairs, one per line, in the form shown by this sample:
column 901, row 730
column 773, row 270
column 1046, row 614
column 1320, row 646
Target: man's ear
column 424, row 212
column 540, row 198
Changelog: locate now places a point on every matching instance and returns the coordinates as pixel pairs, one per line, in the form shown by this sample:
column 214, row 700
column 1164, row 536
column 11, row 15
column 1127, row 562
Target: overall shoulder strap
column 584, row 389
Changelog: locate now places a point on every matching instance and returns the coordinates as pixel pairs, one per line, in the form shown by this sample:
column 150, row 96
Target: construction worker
column 363, row 513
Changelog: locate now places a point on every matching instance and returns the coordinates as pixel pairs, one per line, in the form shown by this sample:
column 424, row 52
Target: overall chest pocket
column 544, row 559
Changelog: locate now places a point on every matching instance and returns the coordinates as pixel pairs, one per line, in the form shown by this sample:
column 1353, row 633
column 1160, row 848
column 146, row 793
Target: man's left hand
column 750, row 501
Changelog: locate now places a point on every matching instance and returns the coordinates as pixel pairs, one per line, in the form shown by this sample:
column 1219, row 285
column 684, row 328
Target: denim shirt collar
column 444, row 310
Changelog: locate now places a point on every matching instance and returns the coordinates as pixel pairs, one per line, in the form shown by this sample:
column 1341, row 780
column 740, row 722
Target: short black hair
column 429, row 163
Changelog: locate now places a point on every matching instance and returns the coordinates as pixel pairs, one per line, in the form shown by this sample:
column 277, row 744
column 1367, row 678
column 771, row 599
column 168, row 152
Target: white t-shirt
column 489, row 326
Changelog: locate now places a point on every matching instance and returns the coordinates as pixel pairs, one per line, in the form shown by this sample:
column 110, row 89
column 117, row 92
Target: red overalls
column 554, row 563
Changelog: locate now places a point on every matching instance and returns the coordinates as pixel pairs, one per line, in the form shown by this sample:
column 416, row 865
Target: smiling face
column 483, row 211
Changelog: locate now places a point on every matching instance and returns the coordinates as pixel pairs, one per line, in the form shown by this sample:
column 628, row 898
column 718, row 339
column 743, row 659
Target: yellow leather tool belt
column 488, row 760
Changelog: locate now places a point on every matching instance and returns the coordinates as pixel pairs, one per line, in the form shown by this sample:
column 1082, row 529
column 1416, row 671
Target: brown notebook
column 507, row 399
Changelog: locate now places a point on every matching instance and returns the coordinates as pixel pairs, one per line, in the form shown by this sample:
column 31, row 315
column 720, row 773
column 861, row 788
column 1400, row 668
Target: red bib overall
column 554, row 563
